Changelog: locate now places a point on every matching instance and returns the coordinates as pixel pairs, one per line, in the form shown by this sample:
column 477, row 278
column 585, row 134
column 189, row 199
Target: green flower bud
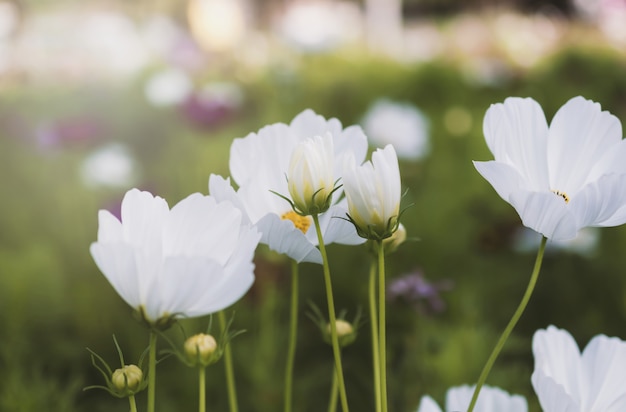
column 201, row 349
column 345, row 332
column 127, row 380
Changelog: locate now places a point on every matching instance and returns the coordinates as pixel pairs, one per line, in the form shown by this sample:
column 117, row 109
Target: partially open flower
column 127, row 380
column 201, row 349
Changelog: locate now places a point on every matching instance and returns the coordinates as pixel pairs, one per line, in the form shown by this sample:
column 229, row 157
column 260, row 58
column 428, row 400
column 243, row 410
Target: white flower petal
column 516, row 132
column 601, row 203
column 604, row 361
column 490, row 399
column 117, row 263
column 552, row 396
column 504, row 178
column 109, row 228
column 580, row 134
column 283, row 237
column 428, row 404
column 142, row 219
column 545, row 213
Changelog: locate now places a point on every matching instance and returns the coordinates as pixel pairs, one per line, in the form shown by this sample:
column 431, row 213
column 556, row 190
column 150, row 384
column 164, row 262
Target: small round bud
column 345, row 332
column 127, row 379
column 398, row 237
column 200, row 349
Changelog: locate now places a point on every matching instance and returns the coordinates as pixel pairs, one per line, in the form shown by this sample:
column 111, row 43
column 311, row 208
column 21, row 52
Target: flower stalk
column 332, row 317
column 228, row 365
column 152, row 370
column 374, row 329
column 132, row 403
column 334, row 389
column 293, row 337
column 382, row 339
column 202, row 389
column 509, row 328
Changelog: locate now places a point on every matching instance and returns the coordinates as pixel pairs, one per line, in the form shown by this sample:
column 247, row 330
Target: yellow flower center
column 562, row 194
column 300, row 222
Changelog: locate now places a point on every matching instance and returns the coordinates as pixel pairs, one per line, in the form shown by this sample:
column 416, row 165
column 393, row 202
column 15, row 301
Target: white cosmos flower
column 566, row 381
column 258, row 165
column 192, row 260
column 373, row 192
column 559, row 178
column 310, row 176
column 490, row 399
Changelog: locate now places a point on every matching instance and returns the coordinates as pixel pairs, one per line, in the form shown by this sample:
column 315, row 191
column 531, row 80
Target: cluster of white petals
column 259, row 164
column 373, row 192
column 491, row 399
column 567, row 381
column 192, row 260
column 562, row 177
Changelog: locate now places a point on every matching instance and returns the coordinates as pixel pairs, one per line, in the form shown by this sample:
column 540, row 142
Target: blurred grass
column 54, row 302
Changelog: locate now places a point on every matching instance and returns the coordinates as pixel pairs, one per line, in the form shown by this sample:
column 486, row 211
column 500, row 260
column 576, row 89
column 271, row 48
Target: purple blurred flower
column 213, row 105
column 69, row 131
column 417, row 291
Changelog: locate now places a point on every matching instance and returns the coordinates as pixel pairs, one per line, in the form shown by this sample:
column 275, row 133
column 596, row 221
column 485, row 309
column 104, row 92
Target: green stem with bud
column 374, row 328
column 202, row 389
column 152, row 370
column 382, row 340
column 293, row 336
column 509, row 328
column 133, row 404
column 332, row 316
column 228, row 365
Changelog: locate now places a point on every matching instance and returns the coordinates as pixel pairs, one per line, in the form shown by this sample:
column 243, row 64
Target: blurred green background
column 54, row 302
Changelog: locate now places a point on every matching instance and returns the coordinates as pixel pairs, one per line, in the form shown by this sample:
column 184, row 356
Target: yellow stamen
column 300, row 222
column 562, row 194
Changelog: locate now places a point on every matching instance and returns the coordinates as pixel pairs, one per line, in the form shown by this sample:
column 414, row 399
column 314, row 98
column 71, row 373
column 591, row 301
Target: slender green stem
column 228, row 365
column 374, row 324
column 382, row 339
column 152, row 371
column 334, row 389
column 293, row 336
column 332, row 316
column 202, row 389
column 133, row 404
column 509, row 328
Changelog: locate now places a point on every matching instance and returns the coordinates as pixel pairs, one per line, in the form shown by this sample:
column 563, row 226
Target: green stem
column 152, row 371
column 509, row 328
column 133, row 404
column 382, row 340
column 332, row 316
column 228, row 365
column 334, row 389
column 374, row 324
column 293, row 336
column 202, row 389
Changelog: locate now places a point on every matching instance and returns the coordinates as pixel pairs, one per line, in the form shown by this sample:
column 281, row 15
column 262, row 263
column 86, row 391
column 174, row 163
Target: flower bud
column 310, row 176
column 398, row 237
column 345, row 332
column 201, row 349
column 127, row 379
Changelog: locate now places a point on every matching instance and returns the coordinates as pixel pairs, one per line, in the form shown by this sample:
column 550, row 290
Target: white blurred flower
column 111, row 166
column 373, row 192
column 168, row 87
column 400, row 124
column 491, row 399
column 258, row 165
column 320, row 25
column 9, row 19
column 217, row 25
column 192, row 260
column 566, row 380
column 560, row 178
